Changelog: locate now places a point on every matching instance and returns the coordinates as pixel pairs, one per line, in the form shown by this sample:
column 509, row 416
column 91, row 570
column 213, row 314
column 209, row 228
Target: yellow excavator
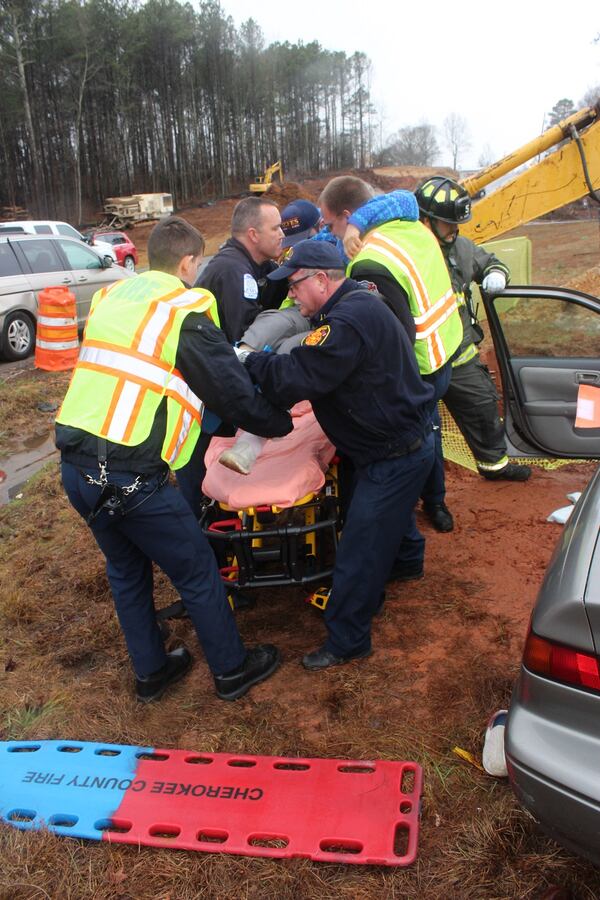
column 263, row 182
column 567, row 173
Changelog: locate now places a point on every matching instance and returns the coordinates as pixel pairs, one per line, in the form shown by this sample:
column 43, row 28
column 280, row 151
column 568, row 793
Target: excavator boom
column 571, row 171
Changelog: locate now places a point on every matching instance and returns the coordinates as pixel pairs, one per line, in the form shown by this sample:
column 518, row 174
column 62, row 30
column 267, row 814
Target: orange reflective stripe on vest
column 139, row 369
column 430, row 316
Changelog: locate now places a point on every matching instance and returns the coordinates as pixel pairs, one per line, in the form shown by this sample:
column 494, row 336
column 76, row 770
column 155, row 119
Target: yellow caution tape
column 457, row 450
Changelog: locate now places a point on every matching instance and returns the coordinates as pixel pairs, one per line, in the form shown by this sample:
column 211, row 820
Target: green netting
column 456, row 449
column 516, row 254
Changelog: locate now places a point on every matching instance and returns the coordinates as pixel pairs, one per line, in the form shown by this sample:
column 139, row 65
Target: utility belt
column 114, row 498
column 405, row 451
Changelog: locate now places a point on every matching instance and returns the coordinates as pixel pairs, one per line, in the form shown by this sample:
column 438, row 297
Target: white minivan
column 29, row 226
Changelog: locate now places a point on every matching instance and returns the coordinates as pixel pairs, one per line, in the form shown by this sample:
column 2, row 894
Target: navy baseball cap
column 309, row 255
column 297, row 220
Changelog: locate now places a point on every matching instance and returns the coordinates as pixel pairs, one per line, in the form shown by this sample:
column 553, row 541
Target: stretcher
column 279, row 525
column 340, row 811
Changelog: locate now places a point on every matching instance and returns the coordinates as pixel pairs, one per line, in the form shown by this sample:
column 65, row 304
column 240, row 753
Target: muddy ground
column 447, row 650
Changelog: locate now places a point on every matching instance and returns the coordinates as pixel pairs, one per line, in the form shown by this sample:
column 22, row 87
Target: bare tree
column 413, row 145
column 104, row 97
column 486, row 157
column 18, row 15
column 456, row 136
column 591, row 96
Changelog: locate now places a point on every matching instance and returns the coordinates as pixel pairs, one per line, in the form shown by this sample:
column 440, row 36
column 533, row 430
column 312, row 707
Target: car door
column 88, row 274
column 547, row 343
column 43, row 264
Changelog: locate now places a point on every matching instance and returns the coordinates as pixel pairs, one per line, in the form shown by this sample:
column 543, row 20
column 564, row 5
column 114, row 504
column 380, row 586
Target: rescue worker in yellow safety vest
column 404, row 262
column 152, row 358
column 471, row 397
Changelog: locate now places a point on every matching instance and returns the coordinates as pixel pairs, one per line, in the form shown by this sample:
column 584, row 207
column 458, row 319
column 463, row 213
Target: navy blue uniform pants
column 434, row 490
column 158, row 527
column 190, row 477
column 380, row 515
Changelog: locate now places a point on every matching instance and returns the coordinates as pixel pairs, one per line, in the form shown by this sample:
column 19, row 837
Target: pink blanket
column 288, row 469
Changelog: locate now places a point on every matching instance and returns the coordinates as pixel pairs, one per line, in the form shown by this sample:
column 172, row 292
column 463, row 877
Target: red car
column 123, row 246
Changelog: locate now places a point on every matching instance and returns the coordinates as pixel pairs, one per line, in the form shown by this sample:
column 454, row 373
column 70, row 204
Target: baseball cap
column 297, row 220
column 309, row 255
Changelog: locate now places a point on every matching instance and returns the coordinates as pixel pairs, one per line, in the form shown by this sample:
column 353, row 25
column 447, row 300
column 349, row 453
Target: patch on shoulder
column 317, row 337
column 250, row 287
column 369, row 286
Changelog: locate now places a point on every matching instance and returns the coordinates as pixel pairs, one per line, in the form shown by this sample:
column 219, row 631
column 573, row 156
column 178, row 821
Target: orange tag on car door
column 588, row 407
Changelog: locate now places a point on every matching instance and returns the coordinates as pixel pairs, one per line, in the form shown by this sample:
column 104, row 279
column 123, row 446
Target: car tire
column 129, row 263
column 18, row 336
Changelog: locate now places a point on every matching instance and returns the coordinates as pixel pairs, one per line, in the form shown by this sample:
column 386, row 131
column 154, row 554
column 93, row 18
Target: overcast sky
column 501, row 64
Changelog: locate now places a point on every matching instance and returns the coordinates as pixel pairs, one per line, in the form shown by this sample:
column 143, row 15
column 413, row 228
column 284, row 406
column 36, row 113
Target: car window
column 8, row 261
column 42, row 256
column 79, row 256
column 68, row 231
column 118, row 239
column 548, row 327
column 105, row 238
column 42, row 229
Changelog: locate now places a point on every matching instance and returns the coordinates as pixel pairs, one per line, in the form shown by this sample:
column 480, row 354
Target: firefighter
column 237, row 274
column 150, row 360
column 358, row 368
column 471, row 397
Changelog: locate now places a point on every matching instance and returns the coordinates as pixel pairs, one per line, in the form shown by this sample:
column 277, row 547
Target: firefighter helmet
column 444, row 199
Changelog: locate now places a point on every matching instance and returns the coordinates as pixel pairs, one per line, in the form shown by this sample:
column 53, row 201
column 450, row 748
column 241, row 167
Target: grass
column 21, row 391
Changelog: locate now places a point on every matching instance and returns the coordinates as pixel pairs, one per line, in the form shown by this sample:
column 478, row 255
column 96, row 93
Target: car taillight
column 562, row 663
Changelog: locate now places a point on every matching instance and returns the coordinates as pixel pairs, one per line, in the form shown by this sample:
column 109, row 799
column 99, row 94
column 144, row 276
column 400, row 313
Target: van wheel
column 129, row 263
column 18, row 336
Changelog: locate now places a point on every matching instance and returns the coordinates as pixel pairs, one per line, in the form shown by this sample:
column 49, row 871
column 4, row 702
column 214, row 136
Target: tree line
column 113, row 97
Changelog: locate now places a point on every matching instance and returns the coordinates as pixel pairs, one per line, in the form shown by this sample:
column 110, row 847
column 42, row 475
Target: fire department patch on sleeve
column 250, row 287
column 317, row 337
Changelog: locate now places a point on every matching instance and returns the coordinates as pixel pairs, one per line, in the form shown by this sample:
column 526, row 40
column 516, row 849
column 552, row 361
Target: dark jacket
column 358, row 369
column 240, row 287
column 467, row 262
column 208, row 364
column 393, row 294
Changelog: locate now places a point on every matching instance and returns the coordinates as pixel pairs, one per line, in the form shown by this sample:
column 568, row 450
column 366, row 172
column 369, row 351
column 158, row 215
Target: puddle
column 35, row 452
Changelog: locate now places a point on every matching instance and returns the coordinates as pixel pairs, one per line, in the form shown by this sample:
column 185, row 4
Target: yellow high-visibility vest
column 411, row 254
column 127, row 365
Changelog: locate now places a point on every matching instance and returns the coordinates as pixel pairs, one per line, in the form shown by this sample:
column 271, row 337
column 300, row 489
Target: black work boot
column 414, row 572
column 260, row 662
column 510, row 472
column 151, row 687
column 440, row 516
column 323, row 659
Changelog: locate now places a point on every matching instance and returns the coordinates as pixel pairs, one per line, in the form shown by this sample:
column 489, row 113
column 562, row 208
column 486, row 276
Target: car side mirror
column 107, row 261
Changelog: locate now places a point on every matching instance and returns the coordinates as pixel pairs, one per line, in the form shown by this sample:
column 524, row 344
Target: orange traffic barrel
column 56, row 342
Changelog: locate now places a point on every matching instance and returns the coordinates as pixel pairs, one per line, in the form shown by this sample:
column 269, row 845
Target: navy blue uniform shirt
column 240, row 287
column 359, row 370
